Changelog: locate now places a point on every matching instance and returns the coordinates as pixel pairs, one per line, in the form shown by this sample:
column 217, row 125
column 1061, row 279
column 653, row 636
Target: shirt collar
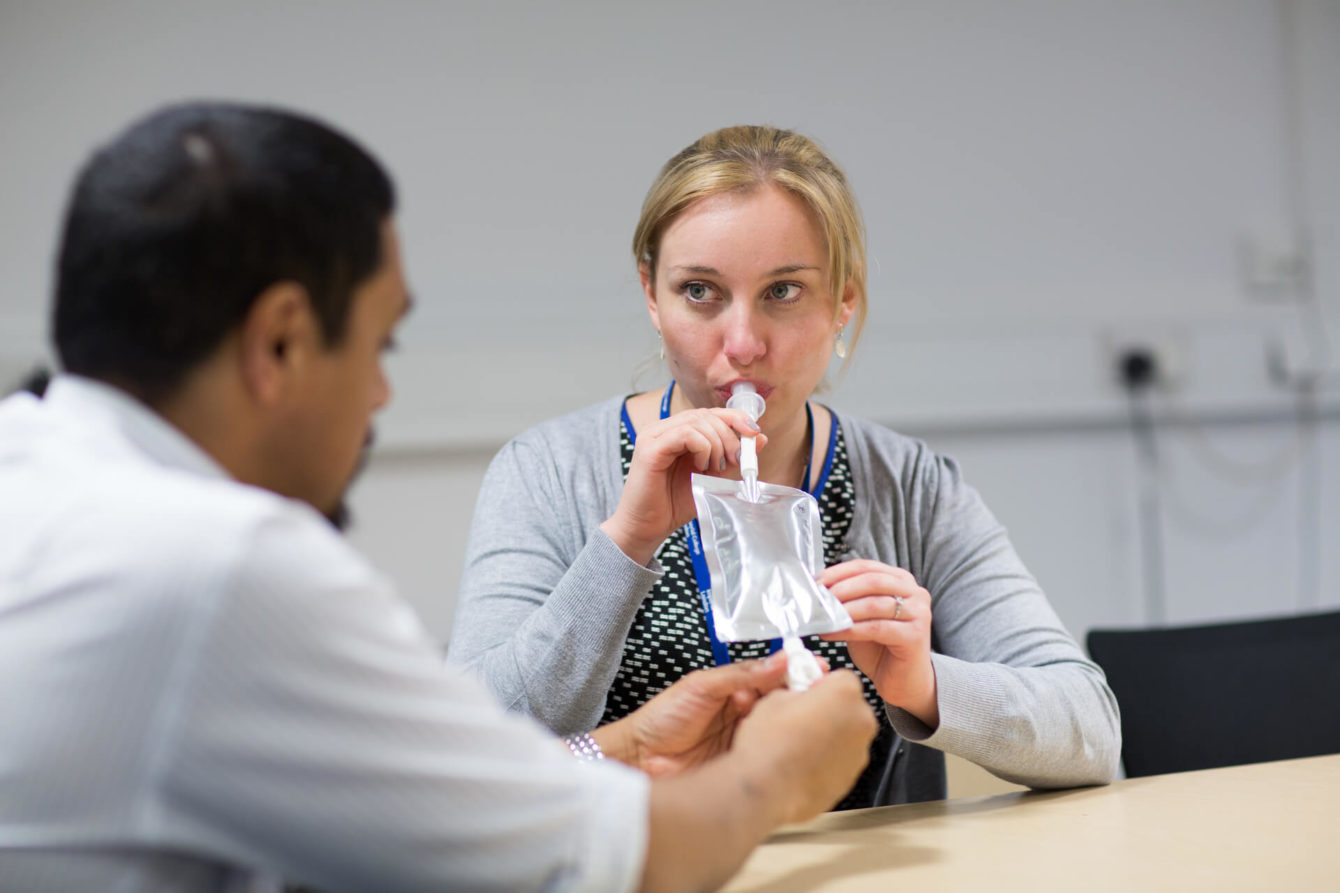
column 112, row 414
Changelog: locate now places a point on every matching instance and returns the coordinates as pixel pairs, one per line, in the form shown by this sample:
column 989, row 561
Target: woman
column 579, row 600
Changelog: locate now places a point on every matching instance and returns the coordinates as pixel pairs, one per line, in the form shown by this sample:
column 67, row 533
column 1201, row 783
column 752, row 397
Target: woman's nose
column 744, row 342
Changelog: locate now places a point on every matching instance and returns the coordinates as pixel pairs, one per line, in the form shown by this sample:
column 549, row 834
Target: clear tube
column 745, row 397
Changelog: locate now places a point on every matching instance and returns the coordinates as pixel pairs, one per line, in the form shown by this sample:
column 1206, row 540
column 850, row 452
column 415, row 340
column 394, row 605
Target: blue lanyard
column 720, row 655
column 701, row 573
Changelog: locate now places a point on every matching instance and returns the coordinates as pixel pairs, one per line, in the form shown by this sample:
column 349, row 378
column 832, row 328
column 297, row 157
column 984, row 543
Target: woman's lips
column 763, row 390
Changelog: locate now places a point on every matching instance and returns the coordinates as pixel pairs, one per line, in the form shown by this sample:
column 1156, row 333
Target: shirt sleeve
column 544, row 606
column 319, row 734
column 1016, row 694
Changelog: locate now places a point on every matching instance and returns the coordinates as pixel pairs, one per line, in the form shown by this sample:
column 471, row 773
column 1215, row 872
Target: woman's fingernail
column 737, row 457
column 722, row 464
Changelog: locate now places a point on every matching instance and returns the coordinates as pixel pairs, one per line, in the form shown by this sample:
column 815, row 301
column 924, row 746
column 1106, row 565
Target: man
column 199, row 679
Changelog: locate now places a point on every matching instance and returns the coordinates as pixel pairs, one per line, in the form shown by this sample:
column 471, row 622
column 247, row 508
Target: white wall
column 1043, row 182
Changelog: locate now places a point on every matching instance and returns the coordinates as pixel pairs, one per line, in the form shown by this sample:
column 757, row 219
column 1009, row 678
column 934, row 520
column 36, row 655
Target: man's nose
column 382, row 395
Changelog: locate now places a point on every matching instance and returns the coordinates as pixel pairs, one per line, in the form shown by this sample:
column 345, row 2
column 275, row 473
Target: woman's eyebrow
column 713, row 271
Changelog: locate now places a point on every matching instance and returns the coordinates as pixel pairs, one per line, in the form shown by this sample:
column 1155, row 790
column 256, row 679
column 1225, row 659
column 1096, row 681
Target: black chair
column 1198, row 697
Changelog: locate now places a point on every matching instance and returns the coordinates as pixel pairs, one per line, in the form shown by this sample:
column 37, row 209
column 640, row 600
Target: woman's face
column 741, row 294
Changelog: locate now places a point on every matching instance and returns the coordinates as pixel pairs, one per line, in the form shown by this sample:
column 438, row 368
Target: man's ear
column 649, row 290
column 277, row 335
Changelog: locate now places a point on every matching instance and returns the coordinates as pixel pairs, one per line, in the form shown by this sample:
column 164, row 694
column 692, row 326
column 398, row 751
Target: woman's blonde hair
column 743, row 158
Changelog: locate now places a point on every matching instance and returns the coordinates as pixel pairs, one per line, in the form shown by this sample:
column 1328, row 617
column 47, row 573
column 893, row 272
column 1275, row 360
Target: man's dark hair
column 177, row 226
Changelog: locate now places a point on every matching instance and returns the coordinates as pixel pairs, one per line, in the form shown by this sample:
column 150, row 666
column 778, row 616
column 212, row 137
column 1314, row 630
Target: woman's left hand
column 890, row 637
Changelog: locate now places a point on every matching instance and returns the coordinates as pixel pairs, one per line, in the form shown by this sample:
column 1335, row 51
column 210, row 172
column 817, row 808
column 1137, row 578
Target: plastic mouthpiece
column 744, row 397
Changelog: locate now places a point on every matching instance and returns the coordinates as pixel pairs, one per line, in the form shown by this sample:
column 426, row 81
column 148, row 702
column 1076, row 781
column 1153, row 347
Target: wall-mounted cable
column 1138, row 371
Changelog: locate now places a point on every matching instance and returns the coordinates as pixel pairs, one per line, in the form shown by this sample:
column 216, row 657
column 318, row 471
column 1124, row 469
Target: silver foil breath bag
column 763, row 557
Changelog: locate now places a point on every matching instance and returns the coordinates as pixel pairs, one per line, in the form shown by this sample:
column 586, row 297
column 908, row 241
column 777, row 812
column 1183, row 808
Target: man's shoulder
column 134, row 521
column 142, row 495
column 238, row 531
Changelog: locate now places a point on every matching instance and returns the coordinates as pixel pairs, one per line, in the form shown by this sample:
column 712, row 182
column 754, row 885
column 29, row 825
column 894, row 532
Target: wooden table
column 1268, row 826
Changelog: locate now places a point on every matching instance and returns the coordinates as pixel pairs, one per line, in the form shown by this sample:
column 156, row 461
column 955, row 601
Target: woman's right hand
column 658, row 497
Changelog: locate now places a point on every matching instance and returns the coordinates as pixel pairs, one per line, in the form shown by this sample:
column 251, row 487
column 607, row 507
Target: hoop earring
column 839, row 346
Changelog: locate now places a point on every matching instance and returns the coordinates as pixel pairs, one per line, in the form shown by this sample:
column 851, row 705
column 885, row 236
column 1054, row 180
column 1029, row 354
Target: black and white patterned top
column 668, row 638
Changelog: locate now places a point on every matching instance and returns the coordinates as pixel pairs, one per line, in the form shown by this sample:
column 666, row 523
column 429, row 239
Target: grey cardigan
column 546, row 601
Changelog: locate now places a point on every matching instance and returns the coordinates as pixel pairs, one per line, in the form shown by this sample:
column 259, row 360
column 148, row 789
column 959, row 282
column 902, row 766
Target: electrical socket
column 1293, row 364
column 1273, row 270
column 1151, row 356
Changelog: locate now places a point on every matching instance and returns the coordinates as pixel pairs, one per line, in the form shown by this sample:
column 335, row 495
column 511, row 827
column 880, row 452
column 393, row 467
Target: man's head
column 236, row 269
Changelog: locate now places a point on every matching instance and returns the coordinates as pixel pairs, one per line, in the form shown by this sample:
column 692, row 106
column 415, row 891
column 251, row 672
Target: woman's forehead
column 765, row 228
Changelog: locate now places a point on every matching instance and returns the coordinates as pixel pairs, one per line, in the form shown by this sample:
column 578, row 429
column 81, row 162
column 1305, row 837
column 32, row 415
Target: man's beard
column 341, row 517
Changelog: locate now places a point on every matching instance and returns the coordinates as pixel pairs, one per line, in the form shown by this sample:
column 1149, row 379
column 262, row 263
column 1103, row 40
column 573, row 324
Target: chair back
column 1198, row 697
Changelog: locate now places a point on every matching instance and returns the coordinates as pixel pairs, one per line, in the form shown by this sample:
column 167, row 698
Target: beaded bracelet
column 584, row 747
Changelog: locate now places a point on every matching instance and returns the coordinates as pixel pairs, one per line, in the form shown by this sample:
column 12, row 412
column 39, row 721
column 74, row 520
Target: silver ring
column 897, row 606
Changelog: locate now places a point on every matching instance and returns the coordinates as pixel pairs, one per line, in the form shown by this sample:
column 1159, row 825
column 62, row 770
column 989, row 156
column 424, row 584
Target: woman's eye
column 784, row 291
column 697, row 291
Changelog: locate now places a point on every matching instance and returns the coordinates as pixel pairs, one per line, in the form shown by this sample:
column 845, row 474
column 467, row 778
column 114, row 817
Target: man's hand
column 694, row 719
column 801, row 751
column 794, row 756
